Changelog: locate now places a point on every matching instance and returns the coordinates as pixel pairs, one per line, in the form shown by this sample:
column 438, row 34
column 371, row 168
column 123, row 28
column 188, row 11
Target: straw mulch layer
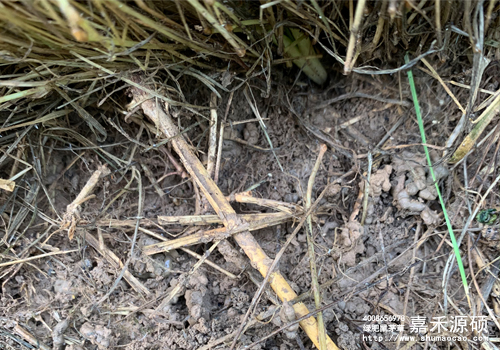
column 219, row 174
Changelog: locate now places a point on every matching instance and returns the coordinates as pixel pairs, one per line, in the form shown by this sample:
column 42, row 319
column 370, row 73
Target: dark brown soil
column 393, row 265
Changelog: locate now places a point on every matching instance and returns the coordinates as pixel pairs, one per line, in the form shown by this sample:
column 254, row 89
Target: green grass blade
column 447, row 219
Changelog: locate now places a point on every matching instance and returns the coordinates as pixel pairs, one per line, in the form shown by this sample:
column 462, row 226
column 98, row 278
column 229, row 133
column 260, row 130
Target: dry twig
column 222, row 207
column 72, row 214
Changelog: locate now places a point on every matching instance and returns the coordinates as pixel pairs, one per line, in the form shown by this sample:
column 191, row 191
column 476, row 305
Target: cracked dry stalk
column 312, row 255
column 216, row 234
column 72, row 215
column 245, row 240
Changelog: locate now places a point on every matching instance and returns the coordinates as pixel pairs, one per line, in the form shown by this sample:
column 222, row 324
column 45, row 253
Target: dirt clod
column 350, row 243
column 251, row 133
column 58, row 334
column 97, row 335
column 380, row 181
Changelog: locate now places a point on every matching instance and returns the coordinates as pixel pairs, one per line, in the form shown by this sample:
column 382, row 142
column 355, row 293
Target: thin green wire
column 431, row 169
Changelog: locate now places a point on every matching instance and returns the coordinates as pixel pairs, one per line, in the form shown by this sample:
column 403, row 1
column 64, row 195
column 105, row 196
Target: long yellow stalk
column 245, row 240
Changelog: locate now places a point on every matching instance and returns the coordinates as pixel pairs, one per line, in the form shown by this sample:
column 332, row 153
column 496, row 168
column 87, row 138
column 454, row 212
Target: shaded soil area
column 395, row 263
